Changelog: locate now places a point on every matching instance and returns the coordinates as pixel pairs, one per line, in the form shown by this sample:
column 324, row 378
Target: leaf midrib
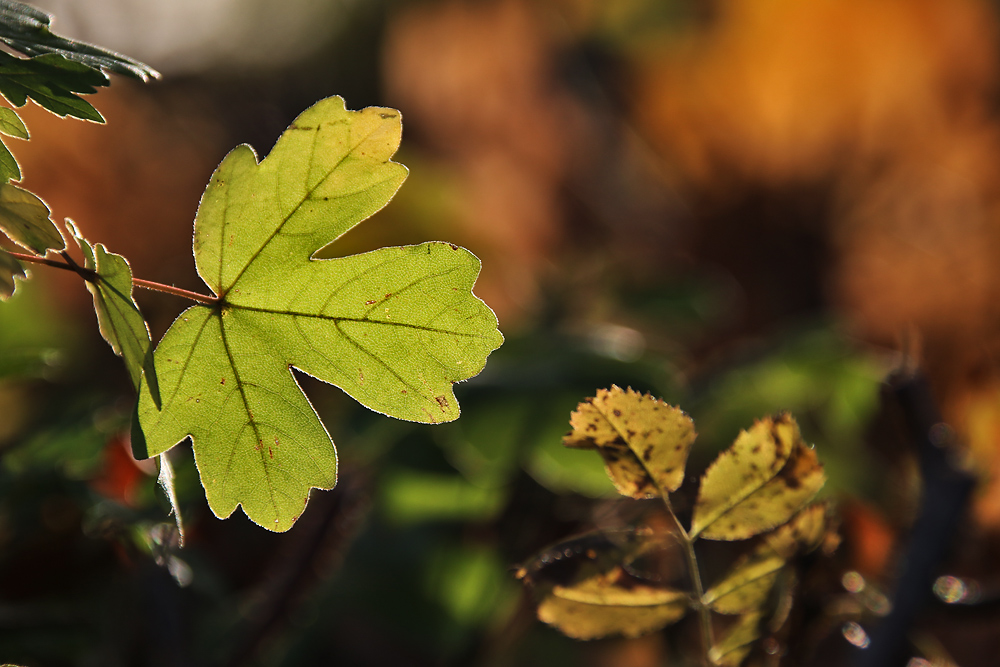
column 294, row 209
column 250, row 419
column 730, row 504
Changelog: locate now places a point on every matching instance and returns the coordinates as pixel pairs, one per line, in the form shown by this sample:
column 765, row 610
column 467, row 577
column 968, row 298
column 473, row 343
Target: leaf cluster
column 758, row 490
column 395, row 328
column 56, row 71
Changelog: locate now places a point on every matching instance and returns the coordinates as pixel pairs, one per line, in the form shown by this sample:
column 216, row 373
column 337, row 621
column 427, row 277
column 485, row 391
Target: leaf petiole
column 176, row 291
column 704, row 615
column 69, row 265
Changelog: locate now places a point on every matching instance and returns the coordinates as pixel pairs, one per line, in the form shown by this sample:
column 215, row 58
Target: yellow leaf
column 734, row 647
column 802, row 534
column 749, row 582
column 611, row 603
column 747, row 585
column 644, row 442
column 757, row 484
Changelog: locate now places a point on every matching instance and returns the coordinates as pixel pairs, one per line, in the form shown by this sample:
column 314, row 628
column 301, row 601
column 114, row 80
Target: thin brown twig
column 69, row 265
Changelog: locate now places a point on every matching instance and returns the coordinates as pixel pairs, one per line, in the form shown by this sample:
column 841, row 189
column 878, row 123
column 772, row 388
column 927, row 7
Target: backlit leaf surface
column 10, row 269
column 644, row 441
column 394, row 328
column 118, row 316
column 759, row 483
column 25, row 219
column 11, row 125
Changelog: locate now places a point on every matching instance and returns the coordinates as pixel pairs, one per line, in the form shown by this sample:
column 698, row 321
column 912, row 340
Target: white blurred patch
column 184, row 36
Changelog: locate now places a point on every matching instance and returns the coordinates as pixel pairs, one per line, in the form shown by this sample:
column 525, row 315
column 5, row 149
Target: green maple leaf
column 394, row 328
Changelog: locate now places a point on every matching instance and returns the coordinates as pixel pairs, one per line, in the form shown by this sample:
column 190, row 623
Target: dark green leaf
column 51, row 81
column 27, row 30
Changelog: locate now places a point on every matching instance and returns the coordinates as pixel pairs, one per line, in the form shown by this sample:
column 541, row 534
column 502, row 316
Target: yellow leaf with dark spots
column 644, row 442
column 759, row 483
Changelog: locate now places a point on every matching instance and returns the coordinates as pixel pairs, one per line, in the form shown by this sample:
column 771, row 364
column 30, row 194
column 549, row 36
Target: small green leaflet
column 124, row 328
column 118, row 316
column 394, row 328
column 11, row 125
column 24, row 218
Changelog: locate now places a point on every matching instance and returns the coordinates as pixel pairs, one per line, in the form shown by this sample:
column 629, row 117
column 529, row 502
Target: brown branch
column 69, row 265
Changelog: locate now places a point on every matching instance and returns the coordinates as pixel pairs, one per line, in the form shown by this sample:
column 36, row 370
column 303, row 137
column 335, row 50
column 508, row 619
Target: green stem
column 704, row 614
column 69, row 265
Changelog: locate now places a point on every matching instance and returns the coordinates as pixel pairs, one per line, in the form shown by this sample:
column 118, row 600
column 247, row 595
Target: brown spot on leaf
column 442, row 403
column 647, row 454
column 223, row 381
column 369, row 302
column 617, row 412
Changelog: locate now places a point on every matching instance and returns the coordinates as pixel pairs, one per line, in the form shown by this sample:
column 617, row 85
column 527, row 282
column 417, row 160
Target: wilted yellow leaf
column 748, row 584
column 611, row 603
column 734, row 647
column 644, row 442
column 802, row 534
column 758, row 483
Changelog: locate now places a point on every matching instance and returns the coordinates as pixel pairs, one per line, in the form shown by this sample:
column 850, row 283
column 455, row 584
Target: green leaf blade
column 52, row 81
column 394, row 328
column 24, row 218
column 329, row 171
column 10, row 269
column 27, row 30
column 118, row 317
column 9, row 169
column 258, row 443
column 11, row 124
